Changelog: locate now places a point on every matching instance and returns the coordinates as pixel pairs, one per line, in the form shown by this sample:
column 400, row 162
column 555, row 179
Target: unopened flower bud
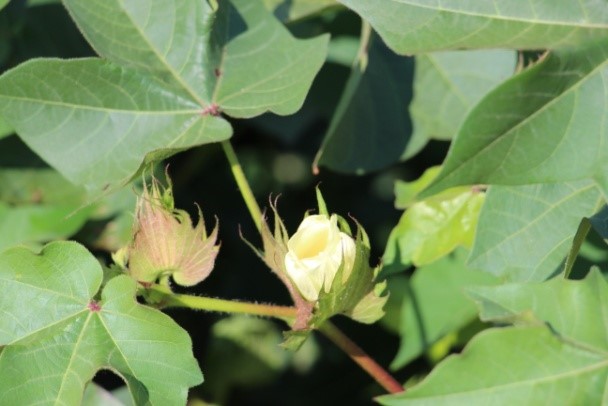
column 315, row 254
column 166, row 243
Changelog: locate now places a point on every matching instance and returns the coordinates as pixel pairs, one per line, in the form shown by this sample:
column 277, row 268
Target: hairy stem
column 355, row 352
column 241, row 181
column 227, row 306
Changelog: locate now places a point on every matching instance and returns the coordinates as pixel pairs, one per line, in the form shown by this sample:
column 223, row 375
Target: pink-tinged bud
column 166, row 243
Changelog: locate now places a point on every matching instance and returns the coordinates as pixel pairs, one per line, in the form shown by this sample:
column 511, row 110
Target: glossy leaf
column 435, row 305
column 431, row 229
column 446, row 87
column 525, row 232
column 97, row 122
column 420, row 26
column 363, row 135
column 545, row 125
column 55, row 291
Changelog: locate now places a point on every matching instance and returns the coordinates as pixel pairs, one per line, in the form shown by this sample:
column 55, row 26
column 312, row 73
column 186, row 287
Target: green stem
column 361, row 358
column 364, row 42
column 227, row 306
column 241, row 181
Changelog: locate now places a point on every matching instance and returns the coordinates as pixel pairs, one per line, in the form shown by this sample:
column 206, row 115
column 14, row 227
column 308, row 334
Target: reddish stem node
column 94, row 306
column 213, row 110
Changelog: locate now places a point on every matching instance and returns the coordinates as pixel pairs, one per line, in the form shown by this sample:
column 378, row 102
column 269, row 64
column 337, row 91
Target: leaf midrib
column 100, row 109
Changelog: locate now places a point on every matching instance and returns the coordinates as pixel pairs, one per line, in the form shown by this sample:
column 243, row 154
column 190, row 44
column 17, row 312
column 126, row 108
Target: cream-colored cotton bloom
column 315, row 253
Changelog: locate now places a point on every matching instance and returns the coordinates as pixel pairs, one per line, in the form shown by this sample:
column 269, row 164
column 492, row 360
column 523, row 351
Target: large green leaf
column 365, row 136
column 544, row 125
column 3, row 3
column 571, row 308
column 70, row 333
column 558, row 355
column 415, row 26
column 169, row 70
column 265, row 68
column 434, row 289
column 446, row 87
column 517, row 365
column 525, row 232
column 94, row 121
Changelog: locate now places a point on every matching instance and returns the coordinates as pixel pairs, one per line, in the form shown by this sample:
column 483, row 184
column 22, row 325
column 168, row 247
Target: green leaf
column 432, row 290
column 3, row 3
column 569, row 307
column 38, row 205
column 544, row 125
column 406, row 193
column 39, row 186
column 266, row 68
column 415, row 26
column 527, row 366
column 70, row 335
column 244, row 351
column 39, row 223
column 365, row 136
column 524, row 232
column 5, row 128
column 558, row 356
column 290, row 10
column 98, row 122
column 95, row 121
column 446, row 87
column 173, row 42
column 432, row 228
